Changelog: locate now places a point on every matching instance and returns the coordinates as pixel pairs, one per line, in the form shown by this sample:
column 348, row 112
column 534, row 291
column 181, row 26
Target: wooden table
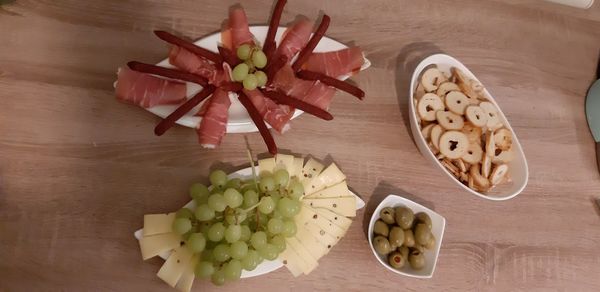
column 78, row 169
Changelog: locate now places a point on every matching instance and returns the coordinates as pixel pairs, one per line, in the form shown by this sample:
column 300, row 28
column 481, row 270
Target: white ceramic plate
column 438, row 224
column 265, row 266
column 239, row 120
column 518, row 169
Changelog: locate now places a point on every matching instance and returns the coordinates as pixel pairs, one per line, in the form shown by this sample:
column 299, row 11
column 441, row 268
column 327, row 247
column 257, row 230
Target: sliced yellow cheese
column 341, row 221
column 317, row 248
column 310, row 262
column 345, row 206
column 330, row 176
column 335, row 191
column 291, row 260
column 158, row 223
column 311, row 169
column 284, row 161
column 296, row 170
column 319, row 233
column 153, row 245
column 173, row 268
column 267, row 164
column 187, row 278
column 309, row 215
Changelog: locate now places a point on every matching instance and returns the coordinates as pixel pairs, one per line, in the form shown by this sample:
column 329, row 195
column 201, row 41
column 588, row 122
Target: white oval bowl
column 518, row 169
column 438, row 224
column 266, row 266
column 239, row 121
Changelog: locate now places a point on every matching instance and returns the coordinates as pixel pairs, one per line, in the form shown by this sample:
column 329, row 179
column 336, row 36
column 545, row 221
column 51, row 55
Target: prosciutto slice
column 277, row 115
column 146, row 90
column 213, row 125
column 295, row 38
column 313, row 92
column 240, row 32
column 190, row 62
column 335, row 63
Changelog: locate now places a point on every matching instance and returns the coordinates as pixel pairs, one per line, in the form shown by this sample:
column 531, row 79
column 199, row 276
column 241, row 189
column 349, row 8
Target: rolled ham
column 213, row 125
column 276, row 115
column 238, row 24
column 313, row 92
column 295, row 38
column 335, row 63
column 190, row 62
column 146, row 90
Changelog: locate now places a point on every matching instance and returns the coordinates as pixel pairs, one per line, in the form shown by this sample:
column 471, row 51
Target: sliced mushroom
column 432, row 78
column 476, row 115
column 450, row 120
column 498, row 173
column 457, row 102
column 453, row 144
column 428, row 105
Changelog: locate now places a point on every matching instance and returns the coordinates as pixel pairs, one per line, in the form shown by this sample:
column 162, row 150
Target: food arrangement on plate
column 282, row 212
column 270, row 81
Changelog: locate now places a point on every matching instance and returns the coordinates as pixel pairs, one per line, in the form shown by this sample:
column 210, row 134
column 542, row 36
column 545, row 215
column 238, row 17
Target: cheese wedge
column 320, row 234
column 310, row 262
column 315, row 247
column 341, row 221
column 187, row 278
column 345, row 206
column 284, row 161
column 266, row 165
column 335, row 191
column 292, row 261
column 296, row 170
column 152, row 246
column 308, row 215
column 311, row 169
column 158, row 223
column 330, row 176
column 173, row 268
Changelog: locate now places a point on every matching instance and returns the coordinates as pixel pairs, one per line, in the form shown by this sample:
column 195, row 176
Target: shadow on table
column 407, row 60
column 382, row 190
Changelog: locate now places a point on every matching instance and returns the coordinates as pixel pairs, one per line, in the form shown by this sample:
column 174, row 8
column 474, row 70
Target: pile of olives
column 403, row 236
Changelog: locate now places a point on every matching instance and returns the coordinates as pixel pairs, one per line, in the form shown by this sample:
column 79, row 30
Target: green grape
column 250, row 81
column 216, row 232
column 258, row 240
column 193, row 230
column 199, row 192
column 196, row 242
column 185, row 213
column 204, row 213
column 250, row 65
column 233, row 198
column 203, row 227
column 251, row 260
column 217, row 202
column 250, row 198
column 233, row 233
column 267, row 183
column 218, row 178
column 296, row 190
column 182, row 225
column 279, row 242
column 216, row 191
column 249, row 187
column 238, row 250
column 261, row 77
column 234, row 183
column 276, row 214
column 289, row 228
column 246, row 233
column 237, row 216
column 285, row 206
column 264, row 173
column 218, row 278
column 276, row 196
column 221, row 252
column 282, row 177
column 240, row 72
column 259, row 59
column 275, row 226
column 244, row 51
column 268, row 252
column 233, row 270
column 207, row 254
column 204, row 269
column 295, row 207
column 266, row 205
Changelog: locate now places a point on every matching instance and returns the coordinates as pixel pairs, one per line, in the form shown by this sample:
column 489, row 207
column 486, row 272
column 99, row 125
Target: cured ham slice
column 336, row 63
column 190, row 62
column 313, row 92
column 214, row 122
column 277, row 115
column 146, row 90
column 294, row 40
column 238, row 25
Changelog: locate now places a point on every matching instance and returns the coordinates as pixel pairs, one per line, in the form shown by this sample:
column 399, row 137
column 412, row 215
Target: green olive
column 396, row 260
column 418, row 247
column 422, row 234
column 431, row 243
column 423, row 218
column 404, row 217
column 396, row 236
column 381, row 245
column 409, row 238
column 381, row 228
column 404, row 250
column 416, row 259
column 387, row 215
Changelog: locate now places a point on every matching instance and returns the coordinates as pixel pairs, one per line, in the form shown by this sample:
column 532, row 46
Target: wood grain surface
column 78, row 169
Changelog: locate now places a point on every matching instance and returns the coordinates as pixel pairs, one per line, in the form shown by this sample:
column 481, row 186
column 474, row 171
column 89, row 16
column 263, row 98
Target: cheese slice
column 339, row 220
column 345, row 206
column 330, row 176
column 320, row 234
column 315, row 247
column 173, row 268
column 296, row 170
column 153, row 245
column 291, row 260
column 309, row 215
column 310, row 262
column 284, row 161
column 158, row 223
column 335, row 191
column 187, row 278
column 267, row 164
column 311, row 169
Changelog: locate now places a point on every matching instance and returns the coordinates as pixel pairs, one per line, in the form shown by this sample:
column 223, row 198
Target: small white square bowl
column 438, row 224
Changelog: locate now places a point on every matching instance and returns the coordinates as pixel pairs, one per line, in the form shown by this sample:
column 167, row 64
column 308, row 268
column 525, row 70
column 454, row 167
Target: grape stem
column 251, row 208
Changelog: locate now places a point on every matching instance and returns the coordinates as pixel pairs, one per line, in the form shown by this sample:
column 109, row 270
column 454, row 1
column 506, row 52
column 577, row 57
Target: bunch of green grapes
column 238, row 224
column 248, row 71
